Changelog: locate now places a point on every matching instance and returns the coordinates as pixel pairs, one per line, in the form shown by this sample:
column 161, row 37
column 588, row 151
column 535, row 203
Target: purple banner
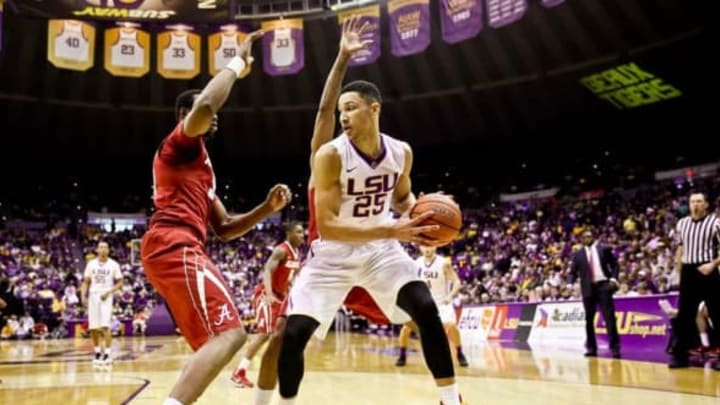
column 370, row 15
column 409, row 26
column 504, row 12
column 551, row 3
column 460, row 19
column 641, row 322
column 283, row 47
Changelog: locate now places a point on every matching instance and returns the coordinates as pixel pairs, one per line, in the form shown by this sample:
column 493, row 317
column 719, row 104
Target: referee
column 697, row 261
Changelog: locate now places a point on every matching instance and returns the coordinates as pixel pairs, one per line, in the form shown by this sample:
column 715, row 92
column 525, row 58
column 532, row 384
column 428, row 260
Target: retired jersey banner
column 71, row 44
column 178, row 52
column 369, row 15
column 409, row 26
column 504, row 12
column 223, row 45
column 188, row 11
column 283, row 47
column 460, row 19
column 551, row 3
column 127, row 50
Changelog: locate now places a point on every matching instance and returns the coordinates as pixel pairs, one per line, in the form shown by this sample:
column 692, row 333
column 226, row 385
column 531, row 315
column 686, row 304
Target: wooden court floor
column 348, row 370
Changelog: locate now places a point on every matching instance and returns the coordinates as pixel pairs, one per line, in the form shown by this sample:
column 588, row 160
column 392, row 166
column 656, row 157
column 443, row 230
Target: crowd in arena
column 507, row 252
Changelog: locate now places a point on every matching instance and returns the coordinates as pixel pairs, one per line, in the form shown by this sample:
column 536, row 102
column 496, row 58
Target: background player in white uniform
column 357, row 177
column 437, row 272
column 102, row 278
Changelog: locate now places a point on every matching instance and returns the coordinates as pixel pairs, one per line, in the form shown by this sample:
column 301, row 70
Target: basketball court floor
column 348, row 369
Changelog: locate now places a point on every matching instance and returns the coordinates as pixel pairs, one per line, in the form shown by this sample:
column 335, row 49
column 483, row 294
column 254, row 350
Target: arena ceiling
column 517, row 85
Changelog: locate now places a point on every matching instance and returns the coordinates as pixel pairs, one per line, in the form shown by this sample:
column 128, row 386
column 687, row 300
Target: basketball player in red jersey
column 358, row 300
column 173, row 252
column 269, row 298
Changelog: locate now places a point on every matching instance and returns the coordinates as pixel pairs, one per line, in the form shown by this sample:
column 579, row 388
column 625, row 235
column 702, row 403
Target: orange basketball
column 447, row 215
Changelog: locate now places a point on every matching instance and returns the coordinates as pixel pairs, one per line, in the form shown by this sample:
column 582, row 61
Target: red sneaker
column 240, row 379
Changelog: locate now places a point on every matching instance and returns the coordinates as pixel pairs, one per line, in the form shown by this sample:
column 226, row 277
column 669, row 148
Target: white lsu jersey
column 228, row 49
column 103, row 275
column 367, row 185
column 178, row 55
column 127, row 52
column 433, row 274
column 71, row 43
column 282, row 50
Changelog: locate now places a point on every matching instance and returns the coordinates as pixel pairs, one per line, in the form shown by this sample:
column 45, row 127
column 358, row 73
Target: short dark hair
column 185, row 100
column 290, row 225
column 367, row 90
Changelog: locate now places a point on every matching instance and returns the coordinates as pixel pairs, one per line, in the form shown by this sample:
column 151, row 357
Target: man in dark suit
column 598, row 270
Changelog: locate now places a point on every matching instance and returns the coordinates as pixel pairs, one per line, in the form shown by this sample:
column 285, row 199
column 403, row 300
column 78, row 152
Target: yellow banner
column 223, row 46
column 71, row 44
column 127, row 51
column 178, row 53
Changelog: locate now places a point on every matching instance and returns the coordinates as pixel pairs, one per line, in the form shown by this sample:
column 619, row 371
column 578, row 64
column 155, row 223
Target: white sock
column 97, row 349
column 172, row 401
column 705, row 339
column 262, row 397
column 449, row 395
column 287, row 401
column 244, row 364
column 107, row 351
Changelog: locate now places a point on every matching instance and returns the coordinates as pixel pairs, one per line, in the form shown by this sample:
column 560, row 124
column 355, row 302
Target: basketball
column 447, row 215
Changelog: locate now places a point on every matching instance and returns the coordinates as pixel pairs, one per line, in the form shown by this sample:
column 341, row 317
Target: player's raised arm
column 350, row 42
column 214, row 95
column 228, row 227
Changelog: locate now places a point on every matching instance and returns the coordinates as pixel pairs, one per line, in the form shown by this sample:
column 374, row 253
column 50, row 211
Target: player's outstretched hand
column 410, row 230
column 245, row 50
column 278, row 197
column 352, row 36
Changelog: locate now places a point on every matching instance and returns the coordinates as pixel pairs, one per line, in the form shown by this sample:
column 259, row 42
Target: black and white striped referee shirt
column 699, row 238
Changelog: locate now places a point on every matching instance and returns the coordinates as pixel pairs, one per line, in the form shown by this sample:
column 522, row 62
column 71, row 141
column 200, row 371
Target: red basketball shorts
column 177, row 266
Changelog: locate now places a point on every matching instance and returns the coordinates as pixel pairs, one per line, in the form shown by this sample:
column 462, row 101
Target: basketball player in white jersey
column 357, row 178
column 102, row 278
column 438, row 273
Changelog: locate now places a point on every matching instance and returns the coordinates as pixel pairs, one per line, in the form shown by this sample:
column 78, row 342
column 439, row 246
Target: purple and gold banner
column 504, row 12
column 460, row 19
column 409, row 26
column 370, row 15
column 283, row 47
column 223, row 45
column 196, row 11
column 178, row 52
column 551, row 3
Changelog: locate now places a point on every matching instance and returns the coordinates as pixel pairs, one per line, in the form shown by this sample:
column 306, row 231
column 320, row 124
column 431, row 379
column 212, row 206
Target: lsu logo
column 115, row 3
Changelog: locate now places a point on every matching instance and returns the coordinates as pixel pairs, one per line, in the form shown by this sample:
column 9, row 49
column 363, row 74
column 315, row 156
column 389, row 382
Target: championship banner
column 504, row 12
column 127, row 51
column 283, row 47
column 188, row 11
column 178, row 52
column 370, row 15
column 551, row 3
column 409, row 26
column 460, row 19
column 71, row 44
column 223, row 45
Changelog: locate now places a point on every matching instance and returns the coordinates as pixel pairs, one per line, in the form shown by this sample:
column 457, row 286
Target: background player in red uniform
column 173, row 249
column 269, row 298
